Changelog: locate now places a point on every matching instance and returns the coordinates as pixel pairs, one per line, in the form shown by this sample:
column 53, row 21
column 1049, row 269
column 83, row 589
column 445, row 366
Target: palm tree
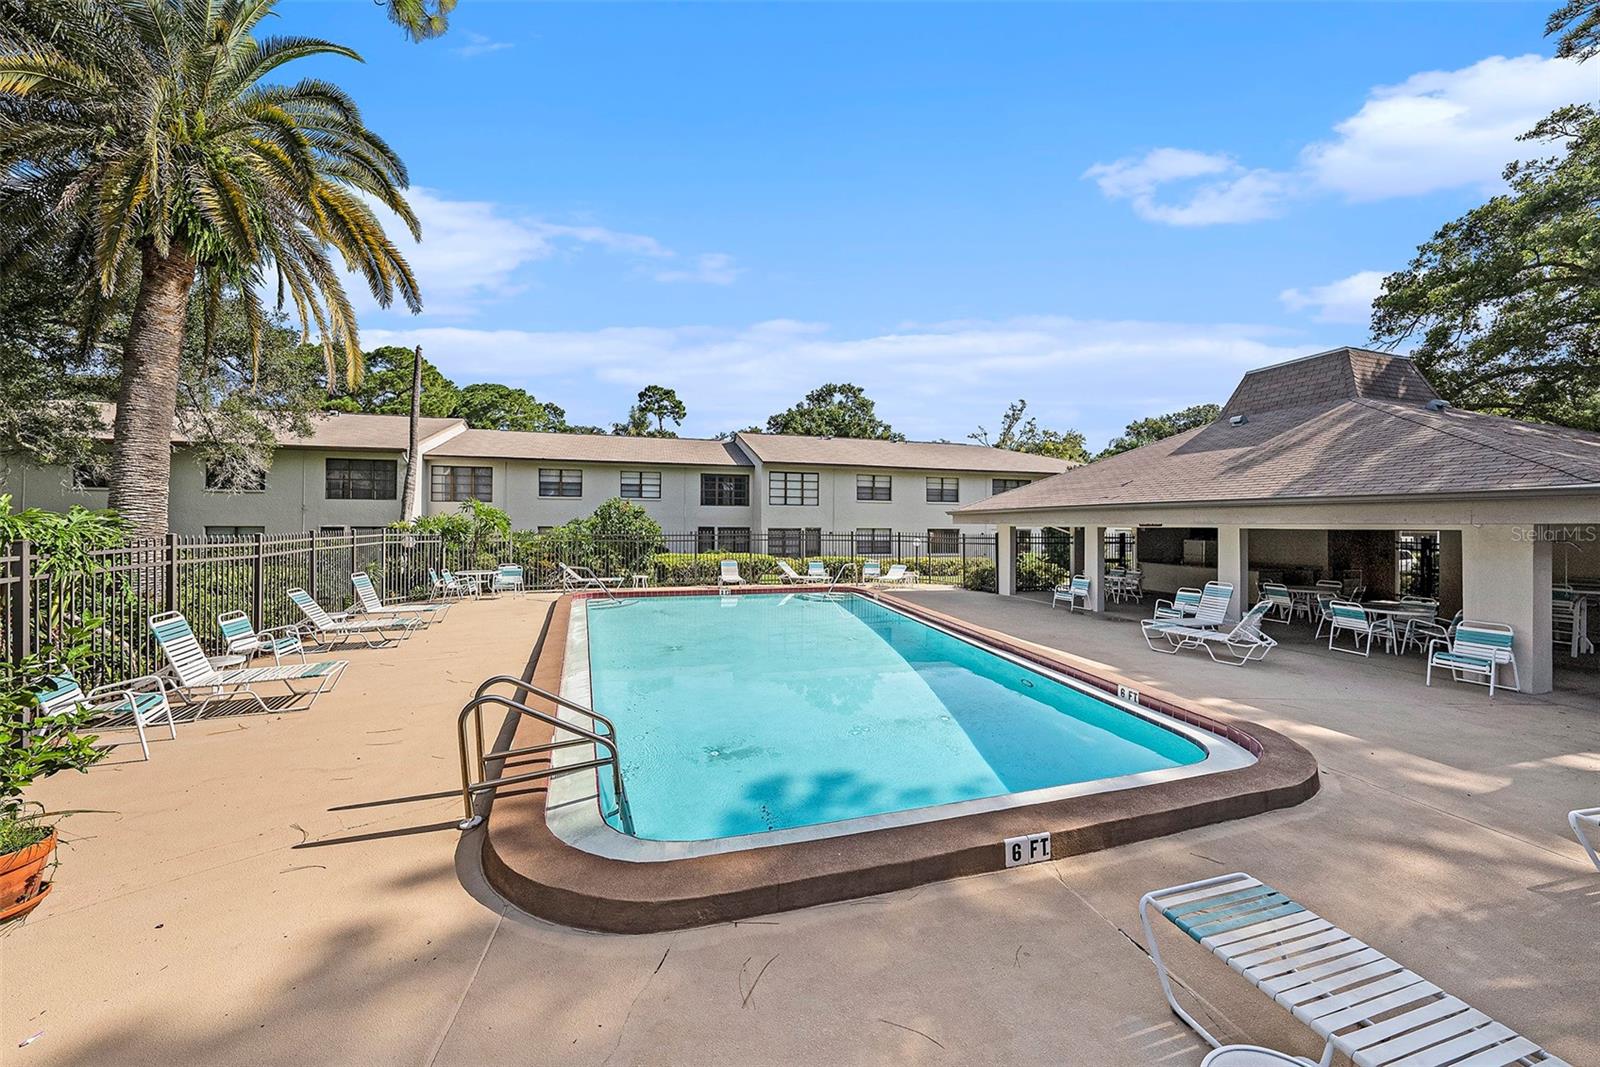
column 140, row 136
column 421, row 19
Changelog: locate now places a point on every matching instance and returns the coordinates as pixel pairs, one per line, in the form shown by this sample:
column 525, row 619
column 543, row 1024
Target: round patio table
column 1400, row 612
column 480, row 578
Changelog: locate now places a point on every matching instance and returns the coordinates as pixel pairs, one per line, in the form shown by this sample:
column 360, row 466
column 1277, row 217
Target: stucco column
column 1449, row 572
column 1078, row 550
column 1233, row 565
column 1095, row 565
column 1005, row 560
column 1505, row 572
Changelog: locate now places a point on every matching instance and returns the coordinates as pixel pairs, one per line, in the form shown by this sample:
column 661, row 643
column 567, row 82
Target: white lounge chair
column 140, row 700
column 816, row 572
column 584, row 578
column 331, row 630
column 1074, row 593
column 1210, row 613
column 245, row 640
column 871, row 570
column 191, row 672
column 508, row 579
column 1183, row 605
column 1584, row 822
column 728, row 573
column 1475, row 652
column 1243, row 643
column 1363, row 1004
column 897, row 574
column 367, row 598
column 792, row 576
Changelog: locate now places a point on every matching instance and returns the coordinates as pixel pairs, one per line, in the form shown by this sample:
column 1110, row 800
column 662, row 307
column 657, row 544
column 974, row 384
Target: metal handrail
column 591, row 581
column 485, row 784
column 839, row 577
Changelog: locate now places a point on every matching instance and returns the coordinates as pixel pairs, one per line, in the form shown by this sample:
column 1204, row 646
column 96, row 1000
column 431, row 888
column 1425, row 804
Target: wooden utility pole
column 412, row 502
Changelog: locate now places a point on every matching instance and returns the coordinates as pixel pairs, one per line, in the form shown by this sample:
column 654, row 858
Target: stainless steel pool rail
column 839, row 577
column 479, row 756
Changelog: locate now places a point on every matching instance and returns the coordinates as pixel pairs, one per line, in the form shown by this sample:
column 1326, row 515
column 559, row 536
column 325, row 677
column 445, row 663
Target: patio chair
column 1324, row 610
column 1332, row 586
column 191, row 672
column 1184, row 603
column 508, row 579
column 367, row 598
column 792, row 576
column 468, row 584
column 816, row 572
column 1423, row 632
column 871, row 570
column 897, row 573
column 1074, row 592
column 1364, row 1005
column 142, row 701
column 330, row 630
column 1243, row 643
column 584, row 578
column 1281, row 600
column 1476, row 648
column 1351, row 618
column 1586, row 821
column 728, row 573
column 447, row 586
column 245, row 640
column 1210, row 613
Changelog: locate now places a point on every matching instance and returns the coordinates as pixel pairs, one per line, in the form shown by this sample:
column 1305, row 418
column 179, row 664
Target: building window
column 641, row 485
column 873, row 542
column 95, row 474
column 214, row 532
column 797, row 488
column 795, row 542
column 725, row 490
column 557, row 482
column 944, row 542
column 361, row 479
column 462, row 483
column 220, row 479
column 723, row 538
column 1002, row 484
column 873, row 486
column 944, row 490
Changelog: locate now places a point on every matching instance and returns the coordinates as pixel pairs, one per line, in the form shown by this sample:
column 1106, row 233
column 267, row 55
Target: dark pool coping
column 527, row 864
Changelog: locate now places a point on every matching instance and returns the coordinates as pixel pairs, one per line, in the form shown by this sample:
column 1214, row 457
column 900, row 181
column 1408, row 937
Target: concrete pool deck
column 283, row 889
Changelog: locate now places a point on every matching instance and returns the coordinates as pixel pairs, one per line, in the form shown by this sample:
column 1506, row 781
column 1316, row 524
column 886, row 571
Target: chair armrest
column 145, row 682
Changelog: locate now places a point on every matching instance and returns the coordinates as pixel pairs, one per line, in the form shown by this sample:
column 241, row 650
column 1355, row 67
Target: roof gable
column 1328, row 378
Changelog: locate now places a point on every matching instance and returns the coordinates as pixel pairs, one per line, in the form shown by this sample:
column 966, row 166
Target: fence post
column 20, row 625
column 258, row 584
column 312, row 578
column 170, row 570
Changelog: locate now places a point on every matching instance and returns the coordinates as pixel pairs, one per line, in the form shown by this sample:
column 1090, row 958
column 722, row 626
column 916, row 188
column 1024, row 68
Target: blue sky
column 1110, row 210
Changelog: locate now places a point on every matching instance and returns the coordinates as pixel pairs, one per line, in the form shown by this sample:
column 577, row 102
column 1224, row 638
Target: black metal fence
column 204, row 578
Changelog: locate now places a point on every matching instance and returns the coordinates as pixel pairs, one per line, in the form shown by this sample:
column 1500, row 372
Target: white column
column 1233, row 565
column 1505, row 577
column 1005, row 560
column 1095, row 565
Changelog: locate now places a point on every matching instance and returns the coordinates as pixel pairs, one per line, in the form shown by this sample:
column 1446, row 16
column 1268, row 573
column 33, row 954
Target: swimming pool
column 742, row 719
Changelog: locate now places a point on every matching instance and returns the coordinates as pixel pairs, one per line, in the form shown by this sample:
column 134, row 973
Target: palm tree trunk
column 141, row 460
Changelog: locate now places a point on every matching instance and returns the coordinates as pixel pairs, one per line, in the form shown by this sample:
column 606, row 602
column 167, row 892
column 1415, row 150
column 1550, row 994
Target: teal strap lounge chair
column 1585, row 823
column 1475, row 653
column 133, row 704
column 573, row 578
column 792, row 576
column 1210, row 613
column 871, row 570
column 816, row 572
column 1074, row 593
column 1184, row 603
column 371, row 604
column 245, row 640
column 1281, row 600
column 896, row 574
column 1363, row 1004
column 191, row 673
column 332, row 630
column 1238, row 646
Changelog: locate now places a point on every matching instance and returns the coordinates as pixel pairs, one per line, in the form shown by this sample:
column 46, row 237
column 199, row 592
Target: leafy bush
column 688, row 568
column 980, row 576
column 619, row 538
column 1036, row 572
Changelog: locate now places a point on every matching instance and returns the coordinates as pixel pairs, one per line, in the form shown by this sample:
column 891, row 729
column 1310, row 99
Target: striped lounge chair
column 1184, row 603
column 191, row 673
column 1240, row 645
column 141, row 701
column 329, row 631
column 371, row 604
column 1585, row 823
column 816, row 572
column 1475, row 653
column 1210, row 613
column 1363, row 1004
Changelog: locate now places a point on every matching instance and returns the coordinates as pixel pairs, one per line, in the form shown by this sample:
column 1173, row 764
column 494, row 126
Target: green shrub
column 688, row 568
column 980, row 576
column 1036, row 572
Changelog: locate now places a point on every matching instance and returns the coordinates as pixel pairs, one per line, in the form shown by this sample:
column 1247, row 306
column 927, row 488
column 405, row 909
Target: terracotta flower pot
column 22, row 884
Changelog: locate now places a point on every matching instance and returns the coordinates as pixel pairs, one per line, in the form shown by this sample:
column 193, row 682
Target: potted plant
column 34, row 746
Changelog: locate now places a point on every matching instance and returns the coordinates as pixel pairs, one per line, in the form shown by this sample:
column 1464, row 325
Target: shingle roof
column 1342, row 424
column 916, row 455
column 591, row 448
column 330, row 430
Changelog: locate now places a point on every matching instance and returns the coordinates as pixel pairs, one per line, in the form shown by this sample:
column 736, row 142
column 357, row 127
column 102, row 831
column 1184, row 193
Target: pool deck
column 284, row 889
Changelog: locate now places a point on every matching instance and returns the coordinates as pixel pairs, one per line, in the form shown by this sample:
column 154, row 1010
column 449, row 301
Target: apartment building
column 349, row 473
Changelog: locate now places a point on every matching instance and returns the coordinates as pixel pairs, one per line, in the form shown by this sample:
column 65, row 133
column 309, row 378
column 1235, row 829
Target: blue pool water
column 737, row 715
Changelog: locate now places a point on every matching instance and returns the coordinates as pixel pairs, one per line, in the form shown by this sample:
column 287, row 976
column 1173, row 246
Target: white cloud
column 479, row 44
column 1435, row 130
column 930, row 380
column 709, row 268
column 1347, row 300
column 1227, row 193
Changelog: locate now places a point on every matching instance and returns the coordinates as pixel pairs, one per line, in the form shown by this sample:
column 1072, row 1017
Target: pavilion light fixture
column 1238, row 420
